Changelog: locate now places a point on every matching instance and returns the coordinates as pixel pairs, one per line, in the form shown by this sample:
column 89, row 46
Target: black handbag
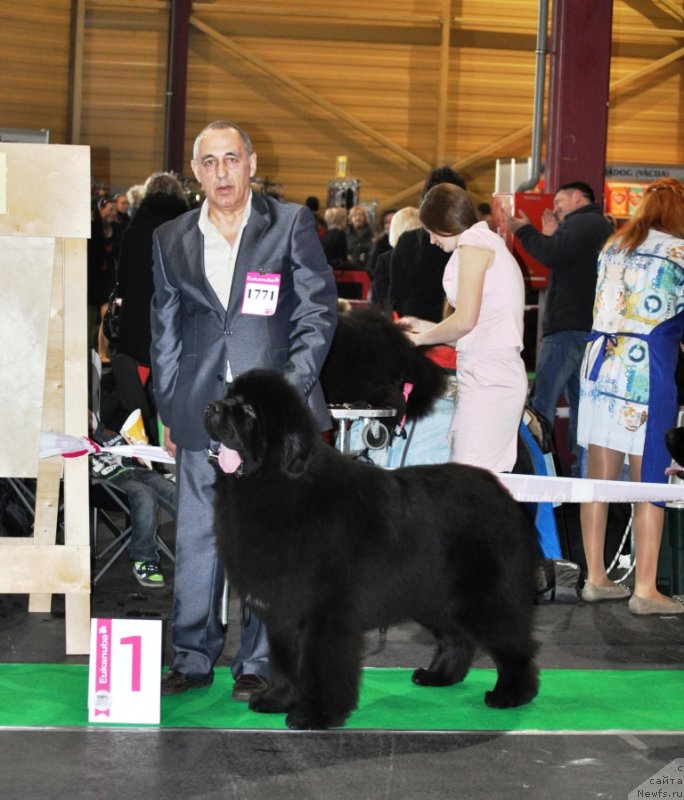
column 110, row 323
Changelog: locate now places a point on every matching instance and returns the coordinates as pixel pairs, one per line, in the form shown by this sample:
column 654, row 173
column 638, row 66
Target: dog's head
column 262, row 425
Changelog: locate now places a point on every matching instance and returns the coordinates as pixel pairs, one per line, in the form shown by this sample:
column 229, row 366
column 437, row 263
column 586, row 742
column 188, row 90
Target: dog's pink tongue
column 229, row 460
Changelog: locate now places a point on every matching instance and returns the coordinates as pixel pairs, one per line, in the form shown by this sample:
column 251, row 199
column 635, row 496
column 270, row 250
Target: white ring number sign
column 125, row 671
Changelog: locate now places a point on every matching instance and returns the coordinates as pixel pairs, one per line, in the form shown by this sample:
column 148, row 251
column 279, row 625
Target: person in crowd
column 359, row 238
column 163, row 200
column 628, row 390
column 417, row 266
column 135, row 195
column 380, row 240
column 203, row 337
column 103, row 252
column 148, row 492
column 313, row 204
column 484, row 284
column 405, row 219
column 335, row 237
column 568, row 244
column 122, row 208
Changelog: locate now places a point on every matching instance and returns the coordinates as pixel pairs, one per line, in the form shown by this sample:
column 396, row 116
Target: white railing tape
column 524, row 488
column 553, row 489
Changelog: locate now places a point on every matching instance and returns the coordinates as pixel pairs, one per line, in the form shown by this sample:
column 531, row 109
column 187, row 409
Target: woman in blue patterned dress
column 628, row 396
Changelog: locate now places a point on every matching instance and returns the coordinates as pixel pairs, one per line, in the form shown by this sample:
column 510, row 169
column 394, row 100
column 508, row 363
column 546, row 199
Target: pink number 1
column 136, row 654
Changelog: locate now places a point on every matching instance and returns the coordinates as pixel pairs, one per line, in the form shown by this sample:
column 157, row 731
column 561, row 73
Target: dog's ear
column 296, row 455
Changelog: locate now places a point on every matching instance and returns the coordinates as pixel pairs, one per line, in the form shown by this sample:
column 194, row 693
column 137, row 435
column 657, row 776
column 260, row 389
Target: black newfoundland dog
column 323, row 548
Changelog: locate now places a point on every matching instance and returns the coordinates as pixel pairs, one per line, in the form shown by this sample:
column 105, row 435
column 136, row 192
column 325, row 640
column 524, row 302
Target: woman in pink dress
column 484, row 284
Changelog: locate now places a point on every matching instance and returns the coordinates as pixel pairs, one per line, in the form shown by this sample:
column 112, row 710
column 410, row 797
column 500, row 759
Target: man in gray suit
column 240, row 283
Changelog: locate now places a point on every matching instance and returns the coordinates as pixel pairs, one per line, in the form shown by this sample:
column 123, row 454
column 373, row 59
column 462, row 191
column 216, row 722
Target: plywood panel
column 51, row 206
column 53, row 570
column 26, row 275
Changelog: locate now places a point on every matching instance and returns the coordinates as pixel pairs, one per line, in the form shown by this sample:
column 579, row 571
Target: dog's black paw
column 276, row 700
column 511, row 696
column 425, row 677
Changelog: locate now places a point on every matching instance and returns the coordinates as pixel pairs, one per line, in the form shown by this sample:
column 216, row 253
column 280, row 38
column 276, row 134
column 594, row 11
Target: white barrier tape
column 553, row 489
column 524, row 488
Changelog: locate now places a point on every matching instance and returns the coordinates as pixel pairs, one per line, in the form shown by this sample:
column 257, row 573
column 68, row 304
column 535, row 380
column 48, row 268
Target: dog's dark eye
column 248, row 410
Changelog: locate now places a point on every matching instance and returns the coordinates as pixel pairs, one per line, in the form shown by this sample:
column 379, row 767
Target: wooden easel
column 44, row 225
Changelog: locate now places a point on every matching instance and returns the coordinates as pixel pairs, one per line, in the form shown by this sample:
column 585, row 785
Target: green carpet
column 39, row 695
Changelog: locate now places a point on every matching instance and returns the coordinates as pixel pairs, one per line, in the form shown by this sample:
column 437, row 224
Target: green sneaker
column 149, row 574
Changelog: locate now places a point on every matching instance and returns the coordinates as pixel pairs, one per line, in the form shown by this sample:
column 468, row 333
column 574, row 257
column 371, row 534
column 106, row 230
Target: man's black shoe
column 247, row 685
column 174, row 682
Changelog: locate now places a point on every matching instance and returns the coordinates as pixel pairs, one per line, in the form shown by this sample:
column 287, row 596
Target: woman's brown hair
column 661, row 208
column 447, row 210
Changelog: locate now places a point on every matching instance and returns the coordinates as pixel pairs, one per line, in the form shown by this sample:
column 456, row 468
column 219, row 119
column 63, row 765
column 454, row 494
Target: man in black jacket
column 568, row 244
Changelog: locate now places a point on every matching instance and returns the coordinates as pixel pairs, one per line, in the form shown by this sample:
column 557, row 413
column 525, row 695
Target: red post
column 578, row 93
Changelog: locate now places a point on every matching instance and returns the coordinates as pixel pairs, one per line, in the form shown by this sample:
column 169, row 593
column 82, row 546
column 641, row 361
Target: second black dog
column 371, row 360
column 674, row 441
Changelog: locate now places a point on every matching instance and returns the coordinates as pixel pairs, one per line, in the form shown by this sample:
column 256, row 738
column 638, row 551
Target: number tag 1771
column 261, row 293
column 125, row 671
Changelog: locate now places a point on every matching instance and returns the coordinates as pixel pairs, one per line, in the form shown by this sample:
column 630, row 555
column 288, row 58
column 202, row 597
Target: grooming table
column 374, row 435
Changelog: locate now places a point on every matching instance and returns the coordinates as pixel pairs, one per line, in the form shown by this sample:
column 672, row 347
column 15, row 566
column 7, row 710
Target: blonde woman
column 335, row 237
column 406, row 219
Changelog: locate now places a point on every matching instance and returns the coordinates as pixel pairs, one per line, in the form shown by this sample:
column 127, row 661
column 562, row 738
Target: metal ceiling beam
column 617, row 88
column 291, row 83
column 621, row 85
column 671, row 8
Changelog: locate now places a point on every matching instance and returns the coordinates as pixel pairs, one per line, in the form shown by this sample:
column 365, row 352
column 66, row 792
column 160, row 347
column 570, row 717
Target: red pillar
column 176, row 86
column 578, row 93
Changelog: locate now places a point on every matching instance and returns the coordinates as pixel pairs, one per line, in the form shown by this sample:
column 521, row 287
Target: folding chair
column 106, row 499
column 353, row 284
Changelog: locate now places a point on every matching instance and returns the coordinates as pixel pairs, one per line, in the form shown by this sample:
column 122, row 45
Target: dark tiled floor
column 194, row 765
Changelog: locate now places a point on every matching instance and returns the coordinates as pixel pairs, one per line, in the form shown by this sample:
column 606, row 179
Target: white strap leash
column 63, row 444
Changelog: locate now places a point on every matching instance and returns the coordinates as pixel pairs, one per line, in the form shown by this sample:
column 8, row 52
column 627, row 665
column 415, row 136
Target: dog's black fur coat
column 674, row 441
column 371, row 359
column 323, row 548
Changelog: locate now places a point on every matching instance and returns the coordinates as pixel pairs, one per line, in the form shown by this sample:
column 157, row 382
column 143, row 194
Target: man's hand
column 515, row 223
column 549, row 222
column 168, row 445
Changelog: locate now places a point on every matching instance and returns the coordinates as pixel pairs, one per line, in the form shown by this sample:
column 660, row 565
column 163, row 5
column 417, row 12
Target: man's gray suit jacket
column 194, row 337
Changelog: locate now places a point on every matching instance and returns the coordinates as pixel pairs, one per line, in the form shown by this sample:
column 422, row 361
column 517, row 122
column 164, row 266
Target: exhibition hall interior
column 441, row 555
